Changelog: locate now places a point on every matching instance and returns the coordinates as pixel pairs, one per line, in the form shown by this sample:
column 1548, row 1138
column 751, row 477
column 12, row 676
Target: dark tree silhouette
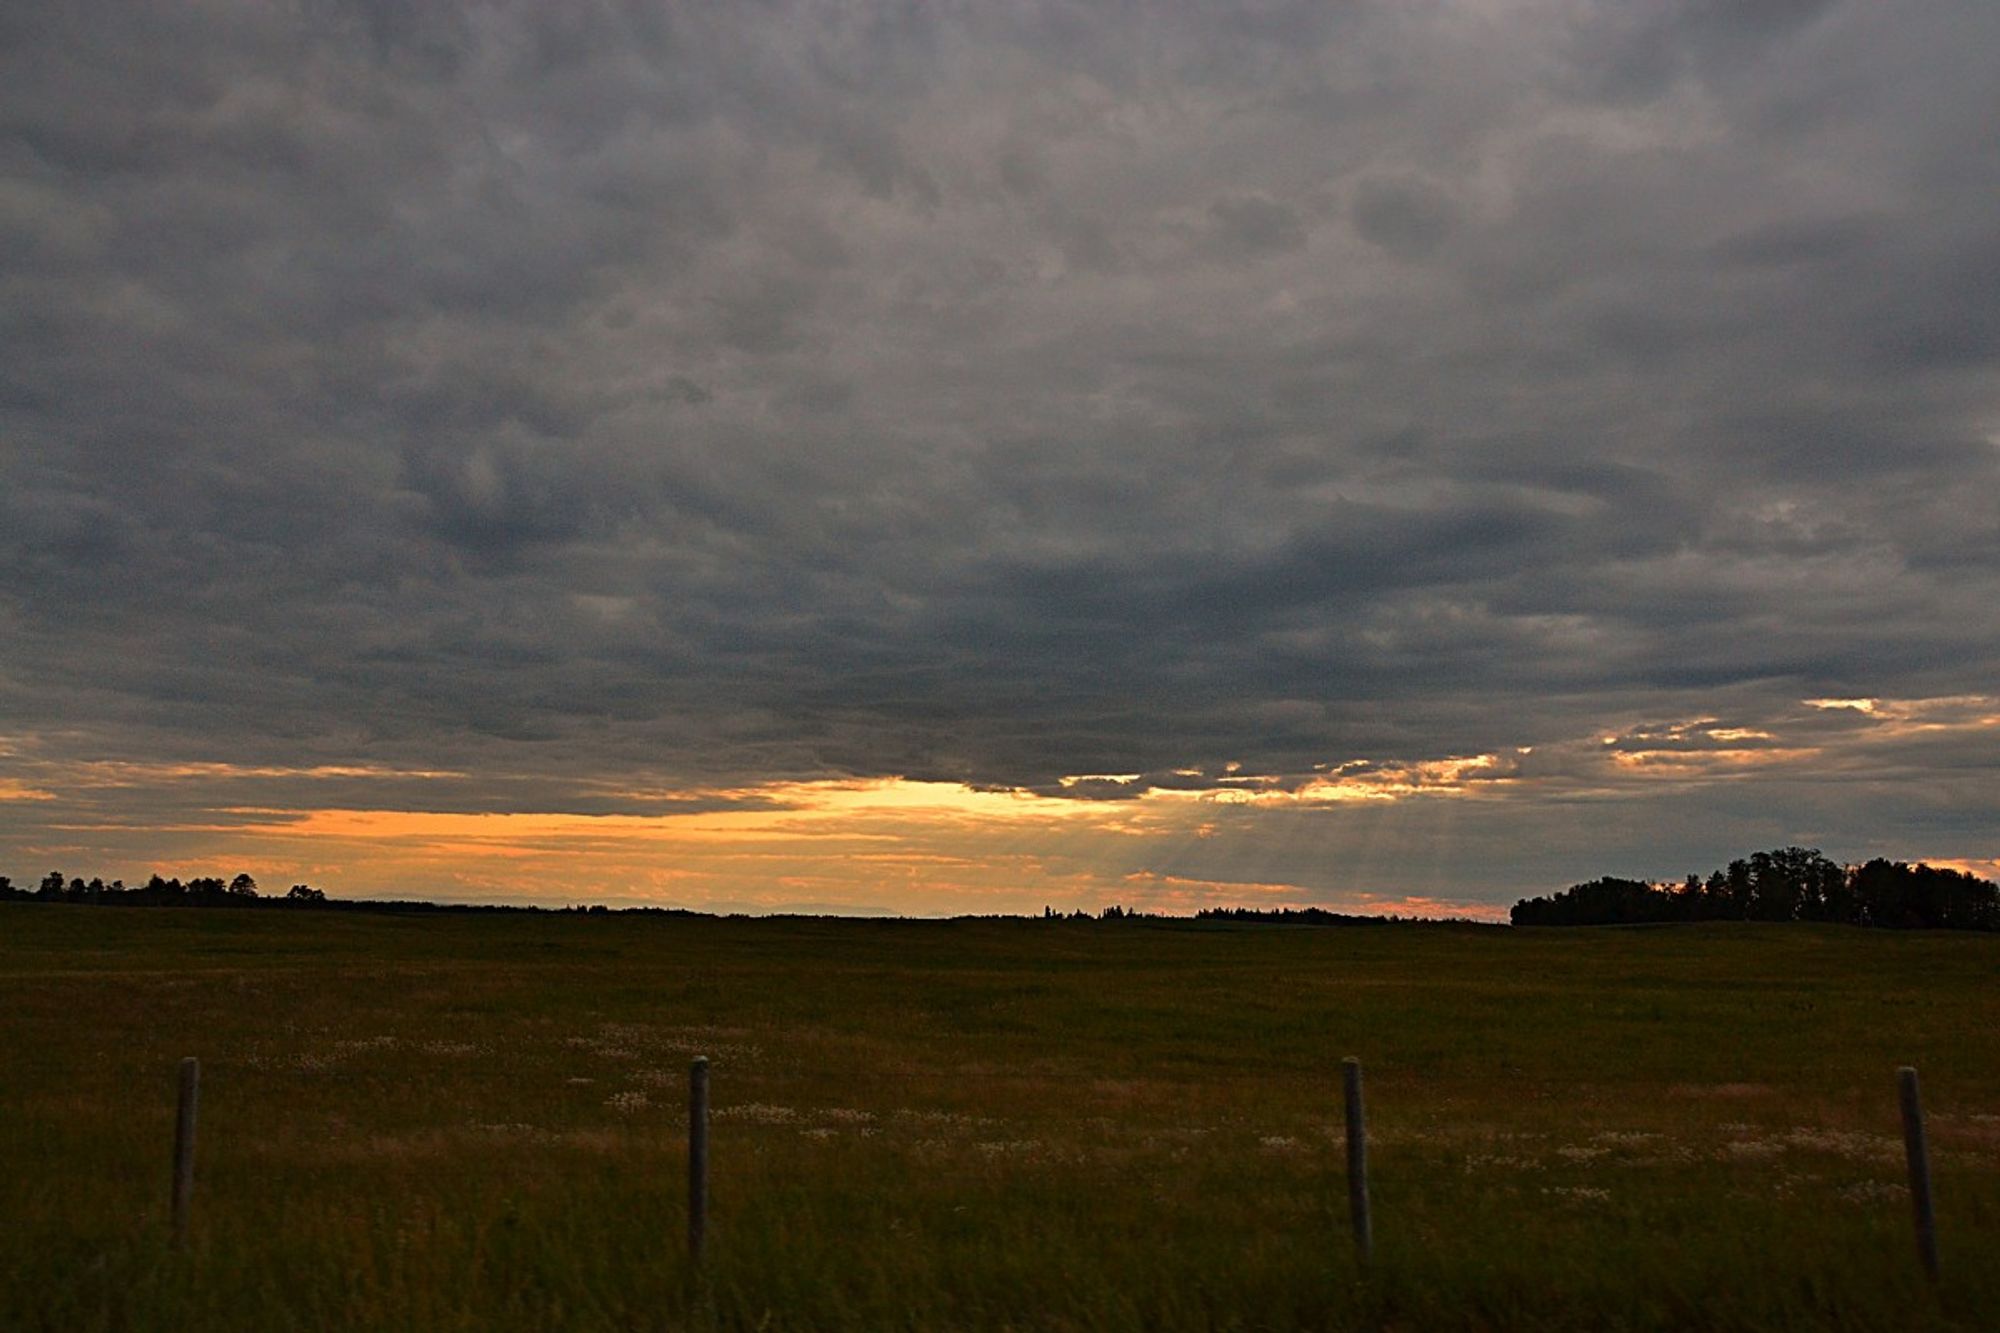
column 1290, row 916
column 1601, row 902
column 1890, row 893
column 1787, row 884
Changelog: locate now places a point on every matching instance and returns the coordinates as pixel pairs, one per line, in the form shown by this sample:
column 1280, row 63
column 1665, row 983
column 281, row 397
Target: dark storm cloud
column 993, row 393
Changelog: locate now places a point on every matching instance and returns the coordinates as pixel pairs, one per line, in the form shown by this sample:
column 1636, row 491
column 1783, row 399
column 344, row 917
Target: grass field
column 477, row 1123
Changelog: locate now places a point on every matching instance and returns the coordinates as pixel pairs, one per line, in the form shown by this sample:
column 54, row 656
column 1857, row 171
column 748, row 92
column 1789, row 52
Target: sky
column 947, row 457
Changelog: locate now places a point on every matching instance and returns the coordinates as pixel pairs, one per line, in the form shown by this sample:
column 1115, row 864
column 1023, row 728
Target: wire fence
column 700, row 1115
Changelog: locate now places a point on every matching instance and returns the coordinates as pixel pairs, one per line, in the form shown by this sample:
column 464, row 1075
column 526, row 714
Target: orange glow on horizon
column 1180, row 896
column 1981, row 867
column 893, row 843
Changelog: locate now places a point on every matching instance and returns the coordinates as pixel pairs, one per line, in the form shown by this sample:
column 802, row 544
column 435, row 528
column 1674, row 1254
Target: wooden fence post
column 184, row 1118
column 697, row 1158
column 1918, row 1154
column 1357, row 1161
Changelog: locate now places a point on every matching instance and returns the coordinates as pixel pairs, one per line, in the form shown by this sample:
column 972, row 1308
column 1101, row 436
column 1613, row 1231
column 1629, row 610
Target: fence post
column 184, row 1118
column 697, row 1158
column 1919, row 1157
column 1357, row 1161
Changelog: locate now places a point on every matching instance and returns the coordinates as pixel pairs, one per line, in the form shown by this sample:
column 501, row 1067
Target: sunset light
column 928, row 463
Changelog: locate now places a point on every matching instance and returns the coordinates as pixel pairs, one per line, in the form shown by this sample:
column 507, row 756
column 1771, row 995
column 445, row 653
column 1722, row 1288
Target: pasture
column 478, row 1122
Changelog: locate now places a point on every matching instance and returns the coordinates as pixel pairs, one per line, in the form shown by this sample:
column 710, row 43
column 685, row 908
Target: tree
column 243, row 887
column 51, row 887
column 1690, row 901
column 1794, row 884
column 1971, row 903
column 1891, row 893
column 305, row 893
column 1788, row 884
column 1774, row 894
column 1601, row 902
column 1739, row 890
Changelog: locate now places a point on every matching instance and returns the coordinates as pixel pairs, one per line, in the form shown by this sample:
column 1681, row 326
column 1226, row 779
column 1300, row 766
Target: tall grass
column 477, row 1123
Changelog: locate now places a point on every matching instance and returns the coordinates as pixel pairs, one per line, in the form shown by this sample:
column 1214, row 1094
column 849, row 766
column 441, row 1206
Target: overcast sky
column 1421, row 450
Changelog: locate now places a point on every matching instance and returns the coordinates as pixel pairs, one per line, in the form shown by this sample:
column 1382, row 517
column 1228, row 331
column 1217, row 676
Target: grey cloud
column 1254, row 223
column 1805, row 241
column 995, row 395
column 1407, row 215
column 1635, row 52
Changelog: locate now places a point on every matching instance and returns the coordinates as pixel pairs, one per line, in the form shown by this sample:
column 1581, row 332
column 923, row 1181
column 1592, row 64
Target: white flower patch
column 1847, row 1143
column 1008, row 1147
column 847, row 1115
column 452, row 1048
column 1752, row 1150
column 758, row 1113
column 1870, row 1192
column 1499, row 1161
column 946, row 1120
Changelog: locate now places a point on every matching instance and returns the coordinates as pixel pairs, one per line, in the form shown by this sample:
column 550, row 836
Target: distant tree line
column 242, row 891
column 1290, row 916
column 1282, row 916
column 201, row 891
column 1790, row 884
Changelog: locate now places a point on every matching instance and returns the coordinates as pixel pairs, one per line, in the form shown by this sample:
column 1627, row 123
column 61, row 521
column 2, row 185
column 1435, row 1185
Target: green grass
column 477, row 1123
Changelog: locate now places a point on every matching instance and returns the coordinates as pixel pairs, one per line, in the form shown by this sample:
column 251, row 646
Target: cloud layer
column 586, row 399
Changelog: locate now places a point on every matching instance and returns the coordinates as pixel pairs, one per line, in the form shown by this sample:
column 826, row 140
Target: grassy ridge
column 470, row 1123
